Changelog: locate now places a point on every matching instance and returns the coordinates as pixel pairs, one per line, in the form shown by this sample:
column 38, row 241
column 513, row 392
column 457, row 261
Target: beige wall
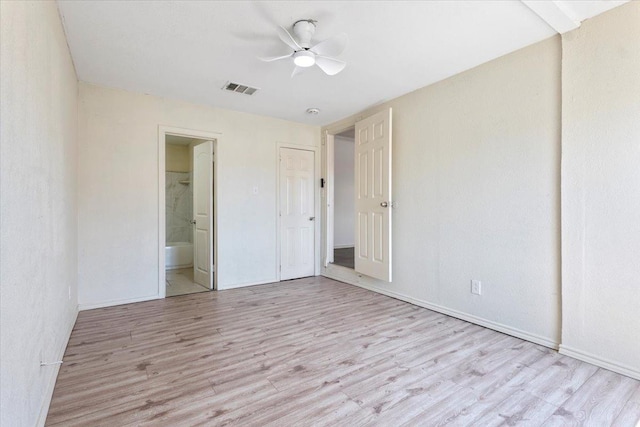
column 38, row 211
column 477, row 185
column 601, row 190
column 177, row 158
column 118, row 191
column 476, row 178
column 476, row 169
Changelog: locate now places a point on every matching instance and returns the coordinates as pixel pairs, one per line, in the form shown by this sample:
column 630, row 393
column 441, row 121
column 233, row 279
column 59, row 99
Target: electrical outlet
column 476, row 287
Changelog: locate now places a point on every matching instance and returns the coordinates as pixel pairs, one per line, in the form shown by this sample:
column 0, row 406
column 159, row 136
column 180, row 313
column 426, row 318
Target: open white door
column 373, row 196
column 297, row 213
column 202, row 213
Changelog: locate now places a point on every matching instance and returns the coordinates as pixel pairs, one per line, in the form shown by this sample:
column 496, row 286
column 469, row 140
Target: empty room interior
column 320, row 213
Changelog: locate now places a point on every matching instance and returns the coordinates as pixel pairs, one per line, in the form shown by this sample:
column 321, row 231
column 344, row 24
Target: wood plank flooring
column 319, row 352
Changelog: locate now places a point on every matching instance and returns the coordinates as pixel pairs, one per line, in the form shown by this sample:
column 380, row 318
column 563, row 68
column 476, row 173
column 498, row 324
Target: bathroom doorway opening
column 187, row 213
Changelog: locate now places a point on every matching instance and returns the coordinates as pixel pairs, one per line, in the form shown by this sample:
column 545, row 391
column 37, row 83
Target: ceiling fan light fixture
column 304, row 58
column 305, row 54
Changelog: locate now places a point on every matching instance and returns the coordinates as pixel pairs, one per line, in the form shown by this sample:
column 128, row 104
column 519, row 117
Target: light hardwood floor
column 319, row 352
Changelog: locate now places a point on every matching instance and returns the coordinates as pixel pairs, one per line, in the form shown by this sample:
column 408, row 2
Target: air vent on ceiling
column 237, row 87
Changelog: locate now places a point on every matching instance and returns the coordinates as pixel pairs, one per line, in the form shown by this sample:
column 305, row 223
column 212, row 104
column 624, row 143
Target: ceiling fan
column 305, row 55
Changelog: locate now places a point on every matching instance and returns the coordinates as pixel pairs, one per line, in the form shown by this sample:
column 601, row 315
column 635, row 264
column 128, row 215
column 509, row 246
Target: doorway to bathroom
column 187, row 214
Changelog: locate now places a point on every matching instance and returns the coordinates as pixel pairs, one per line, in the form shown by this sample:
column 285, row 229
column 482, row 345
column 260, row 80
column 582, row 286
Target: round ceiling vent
column 313, row 111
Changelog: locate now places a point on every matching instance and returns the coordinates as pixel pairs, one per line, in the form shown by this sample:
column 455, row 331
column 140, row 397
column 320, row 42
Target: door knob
column 193, row 221
column 384, row 204
column 311, row 218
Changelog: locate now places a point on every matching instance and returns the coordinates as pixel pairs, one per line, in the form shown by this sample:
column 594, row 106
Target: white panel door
column 297, row 213
column 373, row 196
column 203, row 214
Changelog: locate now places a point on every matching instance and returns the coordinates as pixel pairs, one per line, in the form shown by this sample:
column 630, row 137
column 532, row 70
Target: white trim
column 334, row 273
column 163, row 131
column 329, row 199
column 83, row 307
column 353, row 245
column 344, row 125
column 179, row 267
column 328, row 154
column 555, row 14
column 214, row 267
column 317, row 208
column 600, row 361
column 48, row 393
column 244, row 285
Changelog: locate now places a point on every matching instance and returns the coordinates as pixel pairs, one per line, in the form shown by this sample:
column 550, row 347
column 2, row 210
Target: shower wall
column 179, row 207
column 178, row 191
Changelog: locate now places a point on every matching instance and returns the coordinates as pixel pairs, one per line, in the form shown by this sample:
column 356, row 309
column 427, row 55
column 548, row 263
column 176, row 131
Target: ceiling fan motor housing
column 304, row 30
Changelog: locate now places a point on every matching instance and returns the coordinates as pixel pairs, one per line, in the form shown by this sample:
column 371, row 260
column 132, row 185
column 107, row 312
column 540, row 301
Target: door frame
column 328, row 220
column 331, row 270
column 163, row 131
column 317, row 164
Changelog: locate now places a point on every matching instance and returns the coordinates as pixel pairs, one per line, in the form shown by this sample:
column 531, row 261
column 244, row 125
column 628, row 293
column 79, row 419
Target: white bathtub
column 178, row 255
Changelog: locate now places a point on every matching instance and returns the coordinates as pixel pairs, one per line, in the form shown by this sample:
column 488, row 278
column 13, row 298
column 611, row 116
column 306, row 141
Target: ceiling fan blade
column 288, row 39
column 330, row 66
column 297, row 70
column 274, row 58
column 332, row 46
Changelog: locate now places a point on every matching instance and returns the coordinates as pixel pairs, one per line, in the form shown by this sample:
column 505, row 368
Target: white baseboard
column 518, row 333
column 343, row 246
column 178, row 267
column 91, row 306
column 48, row 395
column 600, row 361
column 244, row 285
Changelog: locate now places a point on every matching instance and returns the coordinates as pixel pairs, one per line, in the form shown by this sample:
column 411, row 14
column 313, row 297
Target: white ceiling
column 188, row 49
